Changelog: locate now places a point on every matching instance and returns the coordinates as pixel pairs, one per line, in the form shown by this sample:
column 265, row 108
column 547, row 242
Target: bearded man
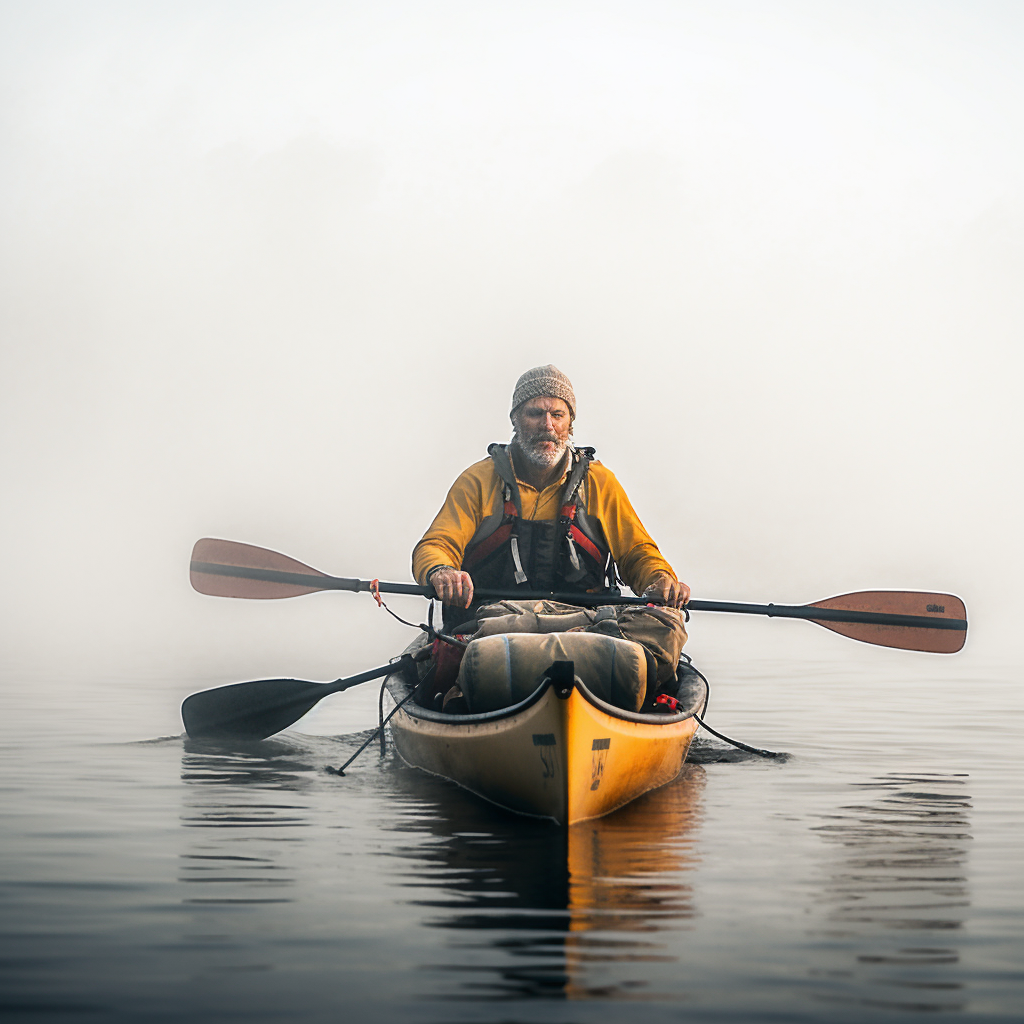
column 541, row 515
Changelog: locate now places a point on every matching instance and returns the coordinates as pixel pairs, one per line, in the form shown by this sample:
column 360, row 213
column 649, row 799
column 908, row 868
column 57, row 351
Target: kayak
column 562, row 752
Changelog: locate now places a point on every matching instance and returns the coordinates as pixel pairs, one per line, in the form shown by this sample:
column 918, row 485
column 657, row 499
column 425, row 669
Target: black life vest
column 565, row 554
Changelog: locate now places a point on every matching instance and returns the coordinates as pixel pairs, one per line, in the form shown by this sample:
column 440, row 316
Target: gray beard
column 544, row 460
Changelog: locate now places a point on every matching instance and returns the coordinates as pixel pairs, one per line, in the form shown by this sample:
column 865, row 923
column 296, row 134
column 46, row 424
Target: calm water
column 874, row 875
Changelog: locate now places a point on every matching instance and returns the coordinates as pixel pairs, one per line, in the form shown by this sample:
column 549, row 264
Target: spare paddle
column 259, row 709
column 907, row 619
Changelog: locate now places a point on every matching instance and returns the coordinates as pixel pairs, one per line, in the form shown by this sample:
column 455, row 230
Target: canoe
column 561, row 753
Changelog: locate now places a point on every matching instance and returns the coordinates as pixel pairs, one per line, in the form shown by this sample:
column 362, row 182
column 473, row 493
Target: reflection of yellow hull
column 570, row 758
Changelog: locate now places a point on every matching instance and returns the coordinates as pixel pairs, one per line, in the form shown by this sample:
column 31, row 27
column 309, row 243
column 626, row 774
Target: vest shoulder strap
column 503, row 464
column 582, row 457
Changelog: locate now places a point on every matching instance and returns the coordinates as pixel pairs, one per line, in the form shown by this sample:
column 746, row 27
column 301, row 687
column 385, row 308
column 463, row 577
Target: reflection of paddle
column 908, row 619
column 259, row 709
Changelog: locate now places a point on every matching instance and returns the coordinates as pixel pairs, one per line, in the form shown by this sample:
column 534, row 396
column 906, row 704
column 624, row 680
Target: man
column 541, row 515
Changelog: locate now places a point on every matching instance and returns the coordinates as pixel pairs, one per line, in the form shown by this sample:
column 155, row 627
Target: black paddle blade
column 250, row 711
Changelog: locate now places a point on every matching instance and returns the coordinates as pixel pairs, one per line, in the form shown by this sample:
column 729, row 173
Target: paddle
column 907, row 619
column 259, row 709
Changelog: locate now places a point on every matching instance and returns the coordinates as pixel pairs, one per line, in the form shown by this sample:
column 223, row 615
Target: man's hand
column 452, row 586
column 667, row 591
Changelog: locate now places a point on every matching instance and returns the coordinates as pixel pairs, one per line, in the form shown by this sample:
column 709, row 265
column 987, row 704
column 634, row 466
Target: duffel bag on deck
column 501, row 670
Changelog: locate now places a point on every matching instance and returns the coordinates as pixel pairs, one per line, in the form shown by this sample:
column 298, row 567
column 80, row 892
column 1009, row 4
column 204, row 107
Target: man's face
column 542, row 429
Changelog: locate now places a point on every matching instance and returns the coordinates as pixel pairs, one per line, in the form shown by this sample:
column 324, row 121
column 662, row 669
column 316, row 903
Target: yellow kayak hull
column 567, row 756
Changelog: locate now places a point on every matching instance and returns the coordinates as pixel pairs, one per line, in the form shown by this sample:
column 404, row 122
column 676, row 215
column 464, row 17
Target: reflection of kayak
column 560, row 753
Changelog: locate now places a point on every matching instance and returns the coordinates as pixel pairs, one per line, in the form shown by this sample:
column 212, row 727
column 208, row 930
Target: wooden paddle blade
column 939, row 640
column 247, row 556
column 251, row 710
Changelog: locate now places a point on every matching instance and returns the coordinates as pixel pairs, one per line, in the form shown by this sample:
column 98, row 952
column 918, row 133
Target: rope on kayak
column 427, row 627
column 373, row 735
column 736, row 743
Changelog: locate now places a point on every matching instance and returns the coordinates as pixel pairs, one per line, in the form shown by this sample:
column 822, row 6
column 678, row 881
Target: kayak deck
column 562, row 753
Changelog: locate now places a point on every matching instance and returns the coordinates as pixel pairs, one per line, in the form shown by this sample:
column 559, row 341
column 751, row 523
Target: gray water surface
column 873, row 875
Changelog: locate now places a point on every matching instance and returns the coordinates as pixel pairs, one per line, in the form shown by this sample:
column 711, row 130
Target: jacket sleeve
column 453, row 527
column 637, row 556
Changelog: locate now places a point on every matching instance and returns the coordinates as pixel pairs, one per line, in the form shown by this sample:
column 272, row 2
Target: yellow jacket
column 478, row 492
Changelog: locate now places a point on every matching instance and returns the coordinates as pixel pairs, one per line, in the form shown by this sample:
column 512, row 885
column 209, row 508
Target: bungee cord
column 760, row 751
column 428, row 628
column 373, row 735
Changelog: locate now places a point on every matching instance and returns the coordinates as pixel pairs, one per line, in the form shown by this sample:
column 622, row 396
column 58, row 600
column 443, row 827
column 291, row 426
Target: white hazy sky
column 270, row 271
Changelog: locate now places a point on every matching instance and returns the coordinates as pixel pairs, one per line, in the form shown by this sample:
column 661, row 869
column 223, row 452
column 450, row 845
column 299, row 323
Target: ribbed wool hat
column 544, row 382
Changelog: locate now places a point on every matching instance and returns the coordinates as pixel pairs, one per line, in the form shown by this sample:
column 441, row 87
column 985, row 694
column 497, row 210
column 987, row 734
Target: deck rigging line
column 736, row 743
column 373, row 735
column 428, row 628
column 761, row 752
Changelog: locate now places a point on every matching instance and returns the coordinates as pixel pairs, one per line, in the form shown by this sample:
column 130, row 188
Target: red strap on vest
column 485, row 547
column 569, row 512
column 586, row 543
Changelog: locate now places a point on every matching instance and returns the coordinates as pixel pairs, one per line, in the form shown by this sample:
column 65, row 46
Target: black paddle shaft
column 786, row 611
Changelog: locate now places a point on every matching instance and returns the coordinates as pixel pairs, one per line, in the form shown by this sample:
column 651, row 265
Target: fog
column 270, row 272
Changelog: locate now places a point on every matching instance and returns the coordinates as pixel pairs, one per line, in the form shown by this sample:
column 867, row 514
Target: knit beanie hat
column 544, row 382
